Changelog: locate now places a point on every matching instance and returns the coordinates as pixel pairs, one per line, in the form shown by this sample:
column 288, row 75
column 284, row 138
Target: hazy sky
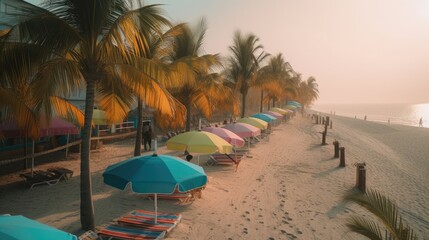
column 359, row 51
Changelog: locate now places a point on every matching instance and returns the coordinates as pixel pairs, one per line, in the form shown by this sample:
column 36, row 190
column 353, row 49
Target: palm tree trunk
column 138, row 145
column 188, row 115
column 86, row 204
column 262, row 99
column 243, row 104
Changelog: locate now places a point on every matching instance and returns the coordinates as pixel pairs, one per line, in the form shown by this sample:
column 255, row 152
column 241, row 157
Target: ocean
column 404, row 114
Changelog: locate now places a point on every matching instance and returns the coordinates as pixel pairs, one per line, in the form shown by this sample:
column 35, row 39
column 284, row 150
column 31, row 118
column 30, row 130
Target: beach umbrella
column 254, row 122
column 279, row 110
column 199, row 142
column 294, row 103
column 99, row 117
column 155, row 174
column 264, row 117
column 243, row 129
column 274, row 114
column 21, row 228
column 227, row 135
column 291, row 107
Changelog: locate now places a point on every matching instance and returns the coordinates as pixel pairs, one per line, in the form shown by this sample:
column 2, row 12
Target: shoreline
column 290, row 188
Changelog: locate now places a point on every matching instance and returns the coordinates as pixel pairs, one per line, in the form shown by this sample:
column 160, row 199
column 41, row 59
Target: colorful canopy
column 155, row 174
column 274, row 114
column 294, row 103
column 291, row 107
column 57, row 126
column 199, row 142
column 243, row 129
column 99, row 117
column 22, row 228
column 264, row 117
column 227, row 135
column 152, row 174
column 254, row 122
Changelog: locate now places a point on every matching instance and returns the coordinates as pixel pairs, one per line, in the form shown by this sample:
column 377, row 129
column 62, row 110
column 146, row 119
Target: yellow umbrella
column 199, row 142
column 99, row 117
column 254, row 122
column 279, row 110
column 291, row 107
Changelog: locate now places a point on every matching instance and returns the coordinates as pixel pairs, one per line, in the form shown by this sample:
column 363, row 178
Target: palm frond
column 365, row 227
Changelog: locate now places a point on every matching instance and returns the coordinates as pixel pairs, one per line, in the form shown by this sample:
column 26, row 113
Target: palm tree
column 385, row 211
column 194, row 69
column 244, row 63
column 274, row 79
column 88, row 43
column 308, row 92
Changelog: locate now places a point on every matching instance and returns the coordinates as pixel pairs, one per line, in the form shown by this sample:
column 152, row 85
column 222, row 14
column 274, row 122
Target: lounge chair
column 89, row 235
column 165, row 221
column 64, row 172
column 41, row 177
column 225, row 159
column 118, row 231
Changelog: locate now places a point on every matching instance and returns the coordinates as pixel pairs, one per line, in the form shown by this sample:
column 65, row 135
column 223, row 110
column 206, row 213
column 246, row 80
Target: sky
column 359, row 51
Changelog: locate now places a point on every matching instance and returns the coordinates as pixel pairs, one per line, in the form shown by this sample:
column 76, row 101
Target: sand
column 290, row 187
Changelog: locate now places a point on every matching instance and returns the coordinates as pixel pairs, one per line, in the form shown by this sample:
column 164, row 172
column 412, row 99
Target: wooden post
column 342, row 157
column 327, row 121
column 336, row 149
column 361, row 176
column 330, row 126
column 324, row 138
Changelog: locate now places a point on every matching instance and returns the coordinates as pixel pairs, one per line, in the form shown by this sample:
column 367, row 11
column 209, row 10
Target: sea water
column 404, row 114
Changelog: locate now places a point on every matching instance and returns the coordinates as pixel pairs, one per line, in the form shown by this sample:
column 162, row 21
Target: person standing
column 421, row 122
column 147, row 136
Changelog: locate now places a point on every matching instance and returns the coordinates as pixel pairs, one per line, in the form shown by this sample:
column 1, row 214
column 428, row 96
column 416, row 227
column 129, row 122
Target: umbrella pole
column 67, row 148
column 156, row 208
column 32, row 158
column 198, row 159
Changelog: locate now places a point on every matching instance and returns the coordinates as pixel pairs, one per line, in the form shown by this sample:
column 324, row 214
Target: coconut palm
column 308, row 92
column 244, row 63
column 87, row 43
column 275, row 80
column 195, row 69
column 385, row 211
column 152, row 65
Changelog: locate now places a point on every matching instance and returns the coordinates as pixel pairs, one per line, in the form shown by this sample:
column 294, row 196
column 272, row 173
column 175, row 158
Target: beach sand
column 290, row 187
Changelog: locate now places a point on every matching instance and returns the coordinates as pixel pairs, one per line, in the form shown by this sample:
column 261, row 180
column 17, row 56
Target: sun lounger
column 146, row 220
column 89, row 235
column 41, row 177
column 118, row 231
column 225, row 159
column 64, row 172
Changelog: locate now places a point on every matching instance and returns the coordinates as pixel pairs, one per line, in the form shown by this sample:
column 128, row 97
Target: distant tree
column 195, row 70
column 244, row 63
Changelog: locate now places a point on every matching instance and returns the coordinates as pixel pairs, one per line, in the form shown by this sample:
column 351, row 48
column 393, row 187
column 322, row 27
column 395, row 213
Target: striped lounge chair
column 119, row 231
column 146, row 220
column 225, row 159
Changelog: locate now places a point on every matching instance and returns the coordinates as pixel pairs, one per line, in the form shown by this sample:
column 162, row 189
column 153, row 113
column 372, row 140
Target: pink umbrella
column 243, row 129
column 227, row 135
column 274, row 114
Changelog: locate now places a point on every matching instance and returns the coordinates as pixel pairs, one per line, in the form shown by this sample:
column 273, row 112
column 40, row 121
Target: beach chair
column 118, row 231
column 89, row 235
column 184, row 197
column 40, row 177
column 225, row 159
column 65, row 173
column 146, row 220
